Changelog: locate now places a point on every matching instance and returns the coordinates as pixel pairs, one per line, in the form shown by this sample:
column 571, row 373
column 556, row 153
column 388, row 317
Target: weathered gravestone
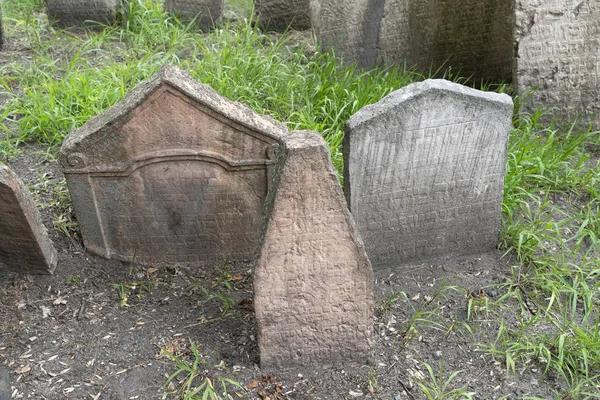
column 207, row 13
column 473, row 36
column 279, row 15
column 424, row 171
column 175, row 173
column 1, row 29
column 313, row 282
column 65, row 13
column 558, row 53
column 24, row 243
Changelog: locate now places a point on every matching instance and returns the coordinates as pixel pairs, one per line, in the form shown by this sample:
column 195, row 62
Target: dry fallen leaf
column 59, row 301
column 23, row 369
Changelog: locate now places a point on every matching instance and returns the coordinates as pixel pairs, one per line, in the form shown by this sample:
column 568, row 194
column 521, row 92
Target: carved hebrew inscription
column 313, row 282
column 425, row 171
column 24, row 243
column 558, row 44
column 175, row 182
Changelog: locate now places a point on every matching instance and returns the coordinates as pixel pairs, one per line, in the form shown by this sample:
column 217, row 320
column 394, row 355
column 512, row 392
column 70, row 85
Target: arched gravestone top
column 24, row 243
column 174, row 173
column 424, row 171
column 66, row 13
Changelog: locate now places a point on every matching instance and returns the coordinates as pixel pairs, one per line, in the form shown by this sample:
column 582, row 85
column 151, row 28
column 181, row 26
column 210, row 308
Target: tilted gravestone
column 175, row 174
column 65, row 13
column 313, row 282
column 279, row 15
column 558, row 55
column 24, row 243
column 424, row 171
column 207, row 13
column 473, row 36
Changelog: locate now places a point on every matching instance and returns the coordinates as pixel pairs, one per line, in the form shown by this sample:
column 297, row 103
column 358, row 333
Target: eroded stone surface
column 313, row 282
column 207, row 12
column 473, row 36
column 279, row 15
column 24, row 243
column 424, row 171
column 173, row 174
column 558, row 44
column 64, row 13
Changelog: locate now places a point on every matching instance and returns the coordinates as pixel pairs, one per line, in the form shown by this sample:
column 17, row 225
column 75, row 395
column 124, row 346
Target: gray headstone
column 1, row 28
column 174, row 173
column 208, row 13
column 558, row 53
column 279, row 15
column 473, row 36
column 424, row 171
column 66, row 13
column 24, row 243
column 5, row 389
column 313, row 284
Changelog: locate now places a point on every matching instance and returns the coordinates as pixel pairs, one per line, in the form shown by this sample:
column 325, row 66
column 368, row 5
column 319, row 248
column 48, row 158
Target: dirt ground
column 95, row 329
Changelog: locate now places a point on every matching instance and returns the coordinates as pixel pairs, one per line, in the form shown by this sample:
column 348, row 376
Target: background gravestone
column 1, row 29
column 424, row 171
column 207, row 12
column 65, row 13
column 24, row 243
column 174, row 173
column 279, row 15
column 473, row 36
column 313, row 284
column 558, row 52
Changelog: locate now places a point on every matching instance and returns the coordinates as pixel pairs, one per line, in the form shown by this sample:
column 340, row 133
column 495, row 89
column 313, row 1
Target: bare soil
column 96, row 328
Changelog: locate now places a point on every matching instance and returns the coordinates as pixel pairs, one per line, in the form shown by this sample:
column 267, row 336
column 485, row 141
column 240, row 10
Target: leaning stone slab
column 66, row 13
column 24, row 243
column 174, row 173
column 208, row 13
column 313, row 283
column 474, row 37
column 424, row 171
column 558, row 55
column 280, row 15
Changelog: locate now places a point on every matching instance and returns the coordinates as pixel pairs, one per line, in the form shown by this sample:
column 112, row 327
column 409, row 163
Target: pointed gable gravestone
column 473, row 37
column 207, row 12
column 313, row 282
column 171, row 175
column 424, row 171
column 24, row 243
column 176, row 173
column 280, row 15
column 65, row 13
column 558, row 55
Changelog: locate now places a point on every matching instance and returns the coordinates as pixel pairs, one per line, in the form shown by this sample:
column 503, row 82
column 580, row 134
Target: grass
column 551, row 203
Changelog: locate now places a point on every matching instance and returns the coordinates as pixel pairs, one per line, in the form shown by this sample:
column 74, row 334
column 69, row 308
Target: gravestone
column 473, row 36
column 279, row 15
column 177, row 174
column 66, row 13
column 424, row 171
column 173, row 174
column 1, row 28
column 207, row 12
column 24, row 243
column 558, row 54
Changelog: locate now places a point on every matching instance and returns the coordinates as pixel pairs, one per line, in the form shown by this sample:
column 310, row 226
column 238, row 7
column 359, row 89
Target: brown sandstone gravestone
column 279, row 15
column 424, row 171
column 174, row 173
column 24, row 243
column 65, row 13
column 313, row 282
column 207, row 12
column 473, row 36
column 558, row 52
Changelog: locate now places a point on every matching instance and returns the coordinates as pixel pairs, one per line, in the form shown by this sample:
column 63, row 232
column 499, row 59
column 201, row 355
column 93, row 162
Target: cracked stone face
column 424, row 171
column 558, row 44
